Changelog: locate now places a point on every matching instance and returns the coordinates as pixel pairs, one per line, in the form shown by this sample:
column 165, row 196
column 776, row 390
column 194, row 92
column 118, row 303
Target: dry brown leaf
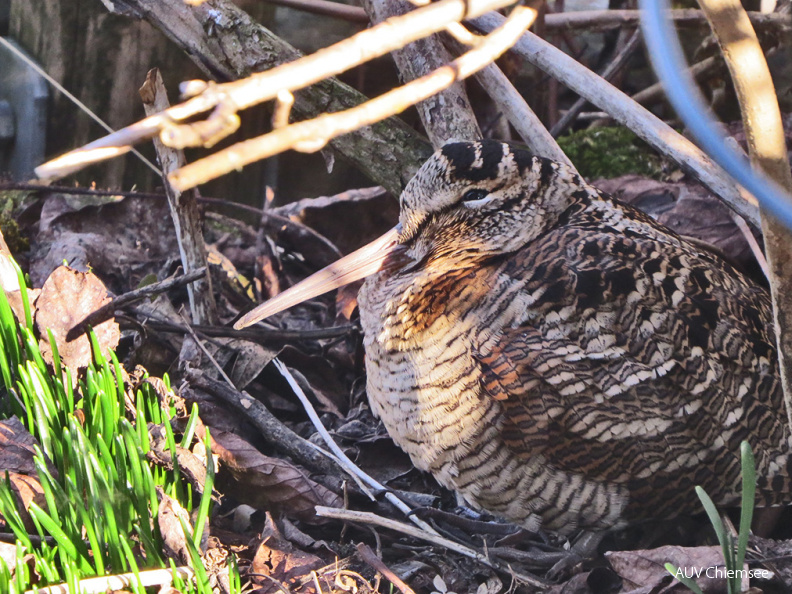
column 268, row 483
column 169, row 518
column 191, row 467
column 125, row 240
column 66, row 298
column 17, row 447
column 16, row 457
column 251, row 359
column 280, row 560
column 15, row 301
column 645, row 570
column 8, row 554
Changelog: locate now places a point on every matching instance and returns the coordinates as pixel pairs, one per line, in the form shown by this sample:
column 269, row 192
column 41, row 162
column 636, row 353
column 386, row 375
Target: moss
column 10, row 202
column 609, row 152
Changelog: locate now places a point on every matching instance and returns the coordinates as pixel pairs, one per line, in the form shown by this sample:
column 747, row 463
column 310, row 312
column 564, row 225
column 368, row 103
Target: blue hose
column 670, row 66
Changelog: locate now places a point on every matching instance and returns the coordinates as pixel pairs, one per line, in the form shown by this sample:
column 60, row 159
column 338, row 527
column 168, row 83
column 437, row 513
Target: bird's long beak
column 359, row 264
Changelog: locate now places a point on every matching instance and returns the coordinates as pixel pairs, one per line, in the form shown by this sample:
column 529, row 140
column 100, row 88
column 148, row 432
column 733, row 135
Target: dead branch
column 187, row 220
column 699, row 71
column 764, row 132
column 275, row 433
column 105, row 312
column 184, row 24
column 354, row 14
column 620, row 107
column 369, row 518
column 375, row 562
column 600, row 20
column 341, row 458
column 320, row 130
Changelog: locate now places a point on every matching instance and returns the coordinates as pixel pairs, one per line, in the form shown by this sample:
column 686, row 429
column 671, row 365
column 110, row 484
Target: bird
column 558, row 358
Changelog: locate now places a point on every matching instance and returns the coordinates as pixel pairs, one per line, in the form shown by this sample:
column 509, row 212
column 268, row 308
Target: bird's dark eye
column 474, row 195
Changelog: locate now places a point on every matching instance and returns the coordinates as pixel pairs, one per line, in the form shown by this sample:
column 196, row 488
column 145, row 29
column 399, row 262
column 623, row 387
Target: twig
column 209, row 355
column 366, row 45
column 651, row 129
column 752, row 243
column 764, row 132
column 369, row 518
column 699, row 71
column 354, row 14
column 294, row 209
column 369, row 557
column 100, row 585
column 342, row 458
column 271, row 430
column 105, row 312
column 183, row 208
column 598, row 20
column 610, row 71
column 321, row 129
column 277, row 220
column 259, row 334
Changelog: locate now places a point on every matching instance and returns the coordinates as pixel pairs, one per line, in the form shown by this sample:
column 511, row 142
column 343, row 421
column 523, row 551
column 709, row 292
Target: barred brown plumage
column 557, row 357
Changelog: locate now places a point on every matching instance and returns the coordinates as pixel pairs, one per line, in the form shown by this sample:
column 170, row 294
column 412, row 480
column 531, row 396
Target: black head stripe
column 464, row 159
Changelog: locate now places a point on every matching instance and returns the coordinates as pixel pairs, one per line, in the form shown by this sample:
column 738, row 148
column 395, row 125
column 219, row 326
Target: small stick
column 105, row 312
column 100, row 585
column 342, row 458
column 699, row 71
column 353, row 14
column 599, row 20
column 340, row 57
column 258, row 334
column 752, row 243
column 369, row 557
column 369, row 518
column 320, row 130
column 272, row 431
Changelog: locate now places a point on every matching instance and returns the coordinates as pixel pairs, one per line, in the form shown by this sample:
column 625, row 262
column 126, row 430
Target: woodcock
column 557, row 357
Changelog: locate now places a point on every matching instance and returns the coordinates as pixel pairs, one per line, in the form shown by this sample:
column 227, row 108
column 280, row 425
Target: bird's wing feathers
column 636, row 363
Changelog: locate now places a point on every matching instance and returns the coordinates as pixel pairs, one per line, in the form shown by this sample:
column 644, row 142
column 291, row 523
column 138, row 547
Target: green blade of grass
column 206, row 496
column 717, row 525
column 67, row 546
column 748, row 501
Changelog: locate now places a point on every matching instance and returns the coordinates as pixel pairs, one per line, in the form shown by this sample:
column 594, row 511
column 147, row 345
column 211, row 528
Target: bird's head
column 479, row 199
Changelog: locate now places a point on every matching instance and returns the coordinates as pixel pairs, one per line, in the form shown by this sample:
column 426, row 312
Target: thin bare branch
column 610, row 71
column 341, row 458
column 598, row 20
column 327, row 126
column 699, row 71
column 183, row 207
column 366, row 45
column 99, row 585
column 369, row 518
column 353, row 14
